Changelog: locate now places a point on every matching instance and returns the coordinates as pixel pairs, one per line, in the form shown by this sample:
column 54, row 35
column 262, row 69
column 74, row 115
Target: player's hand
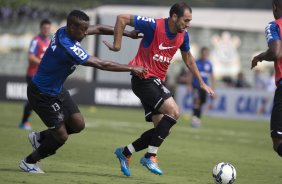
column 255, row 61
column 139, row 71
column 213, row 97
column 207, row 89
column 134, row 34
column 111, row 46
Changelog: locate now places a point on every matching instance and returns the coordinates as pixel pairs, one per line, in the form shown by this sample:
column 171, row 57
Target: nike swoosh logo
column 160, row 137
column 280, row 133
column 161, row 47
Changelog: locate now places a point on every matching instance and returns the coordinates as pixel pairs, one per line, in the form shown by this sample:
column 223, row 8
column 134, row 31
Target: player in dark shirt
column 273, row 32
column 45, row 92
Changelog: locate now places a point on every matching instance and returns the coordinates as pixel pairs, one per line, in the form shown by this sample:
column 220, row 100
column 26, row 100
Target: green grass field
column 186, row 157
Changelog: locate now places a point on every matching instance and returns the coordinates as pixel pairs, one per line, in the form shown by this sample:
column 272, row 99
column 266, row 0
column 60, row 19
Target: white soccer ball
column 224, row 173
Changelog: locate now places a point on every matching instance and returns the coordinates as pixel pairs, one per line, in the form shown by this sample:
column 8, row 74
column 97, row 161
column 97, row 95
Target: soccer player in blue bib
column 46, row 95
column 199, row 95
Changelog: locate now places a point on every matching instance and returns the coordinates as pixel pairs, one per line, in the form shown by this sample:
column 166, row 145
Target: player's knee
column 175, row 114
column 77, row 123
column 80, row 126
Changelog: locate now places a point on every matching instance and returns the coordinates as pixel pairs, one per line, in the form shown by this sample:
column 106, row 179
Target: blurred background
column 235, row 125
column 232, row 30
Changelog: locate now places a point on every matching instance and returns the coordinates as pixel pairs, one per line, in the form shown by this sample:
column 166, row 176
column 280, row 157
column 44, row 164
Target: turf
column 186, row 157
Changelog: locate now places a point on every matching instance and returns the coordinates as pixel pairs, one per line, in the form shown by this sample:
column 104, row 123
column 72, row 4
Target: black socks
column 197, row 113
column 160, row 133
column 140, row 143
column 152, row 138
column 48, row 146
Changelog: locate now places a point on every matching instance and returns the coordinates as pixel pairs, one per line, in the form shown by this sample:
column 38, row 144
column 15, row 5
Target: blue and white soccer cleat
column 124, row 161
column 33, row 139
column 151, row 164
column 30, row 168
column 25, row 126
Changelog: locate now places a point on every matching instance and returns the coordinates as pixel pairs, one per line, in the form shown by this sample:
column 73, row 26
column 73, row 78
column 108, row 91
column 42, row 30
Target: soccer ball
column 224, row 173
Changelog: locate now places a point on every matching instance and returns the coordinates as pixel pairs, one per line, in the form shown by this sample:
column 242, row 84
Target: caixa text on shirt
column 162, row 59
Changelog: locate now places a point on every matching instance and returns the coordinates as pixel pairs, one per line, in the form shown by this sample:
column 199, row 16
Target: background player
column 162, row 38
column 45, row 92
column 36, row 51
column 199, row 95
column 273, row 32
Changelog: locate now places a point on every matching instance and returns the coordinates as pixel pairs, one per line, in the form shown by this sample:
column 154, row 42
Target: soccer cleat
column 30, row 168
column 25, row 126
column 33, row 139
column 196, row 122
column 124, row 161
column 151, row 164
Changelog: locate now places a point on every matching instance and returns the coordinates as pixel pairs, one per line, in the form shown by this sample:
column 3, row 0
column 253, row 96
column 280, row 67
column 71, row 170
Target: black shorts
column 200, row 94
column 152, row 93
column 53, row 110
column 276, row 115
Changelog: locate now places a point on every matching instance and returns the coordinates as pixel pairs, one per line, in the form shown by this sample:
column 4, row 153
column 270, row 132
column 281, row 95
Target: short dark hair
column 75, row 15
column 179, row 8
column 277, row 3
column 204, row 48
column 45, row 21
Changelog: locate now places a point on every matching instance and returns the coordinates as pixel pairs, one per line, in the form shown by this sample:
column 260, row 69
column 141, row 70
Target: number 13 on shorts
column 56, row 107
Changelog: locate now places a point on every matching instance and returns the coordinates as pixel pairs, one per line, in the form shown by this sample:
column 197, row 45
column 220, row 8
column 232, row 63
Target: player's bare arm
column 33, row 59
column 112, row 66
column 273, row 53
column 213, row 81
column 189, row 79
column 190, row 63
column 121, row 22
column 109, row 30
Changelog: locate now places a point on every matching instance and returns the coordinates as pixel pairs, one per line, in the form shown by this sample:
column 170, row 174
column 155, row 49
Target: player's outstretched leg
column 160, row 133
column 163, row 124
column 34, row 138
column 52, row 141
column 139, row 144
column 124, row 161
